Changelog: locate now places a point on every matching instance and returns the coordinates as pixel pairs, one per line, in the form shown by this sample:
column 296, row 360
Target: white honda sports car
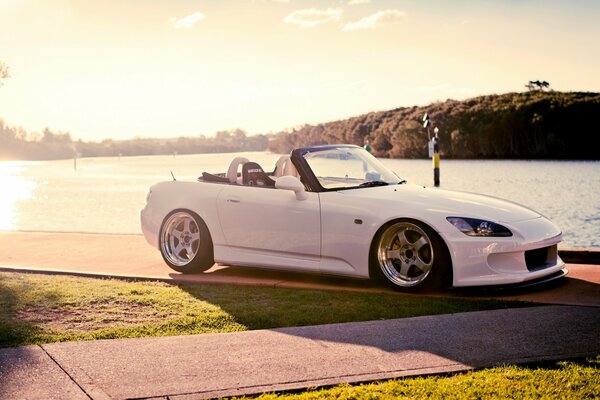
column 336, row 209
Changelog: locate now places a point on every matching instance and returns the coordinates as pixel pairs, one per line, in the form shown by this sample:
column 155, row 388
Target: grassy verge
column 561, row 380
column 37, row 309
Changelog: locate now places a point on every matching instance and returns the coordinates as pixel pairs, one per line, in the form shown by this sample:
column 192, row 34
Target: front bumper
column 149, row 227
column 529, row 256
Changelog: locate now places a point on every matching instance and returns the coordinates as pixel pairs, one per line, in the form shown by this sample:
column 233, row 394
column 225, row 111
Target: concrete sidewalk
column 213, row 365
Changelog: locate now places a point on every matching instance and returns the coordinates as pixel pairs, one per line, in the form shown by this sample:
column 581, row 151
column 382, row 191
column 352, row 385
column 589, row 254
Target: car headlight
column 479, row 227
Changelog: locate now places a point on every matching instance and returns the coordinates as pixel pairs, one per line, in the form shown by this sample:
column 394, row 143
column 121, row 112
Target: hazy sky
column 125, row 68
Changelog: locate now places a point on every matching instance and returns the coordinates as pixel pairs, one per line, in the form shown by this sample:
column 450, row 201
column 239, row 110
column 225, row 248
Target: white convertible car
column 336, row 209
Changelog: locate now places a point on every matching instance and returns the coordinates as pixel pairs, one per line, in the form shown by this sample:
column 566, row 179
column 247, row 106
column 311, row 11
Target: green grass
column 36, row 309
column 560, row 380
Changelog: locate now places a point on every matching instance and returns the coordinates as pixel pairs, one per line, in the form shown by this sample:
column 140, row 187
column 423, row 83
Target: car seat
column 253, row 175
column 232, row 173
column 284, row 166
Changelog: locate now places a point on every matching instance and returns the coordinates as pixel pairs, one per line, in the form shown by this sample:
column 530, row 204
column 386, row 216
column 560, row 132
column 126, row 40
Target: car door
column 270, row 227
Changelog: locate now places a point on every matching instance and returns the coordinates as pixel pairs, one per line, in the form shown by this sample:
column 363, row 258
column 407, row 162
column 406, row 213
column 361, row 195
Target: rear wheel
column 409, row 255
column 185, row 242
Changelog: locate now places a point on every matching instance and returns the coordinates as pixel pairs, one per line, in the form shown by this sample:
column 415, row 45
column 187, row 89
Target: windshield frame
column 310, row 180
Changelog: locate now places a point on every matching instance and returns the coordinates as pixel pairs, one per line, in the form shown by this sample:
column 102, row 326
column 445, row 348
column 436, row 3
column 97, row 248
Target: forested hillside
column 533, row 124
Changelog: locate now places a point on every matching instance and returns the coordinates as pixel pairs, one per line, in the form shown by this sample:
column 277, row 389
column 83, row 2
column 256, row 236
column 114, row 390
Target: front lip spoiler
column 520, row 285
column 539, row 281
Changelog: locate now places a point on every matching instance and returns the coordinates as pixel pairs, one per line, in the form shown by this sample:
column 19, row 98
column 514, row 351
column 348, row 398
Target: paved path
column 130, row 256
column 211, row 365
column 188, row 367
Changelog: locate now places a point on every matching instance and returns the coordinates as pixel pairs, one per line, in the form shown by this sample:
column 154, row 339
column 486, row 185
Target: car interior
column 251, row 173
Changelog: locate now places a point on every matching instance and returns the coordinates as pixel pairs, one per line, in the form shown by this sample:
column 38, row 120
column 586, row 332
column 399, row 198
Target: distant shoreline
column 271, row 152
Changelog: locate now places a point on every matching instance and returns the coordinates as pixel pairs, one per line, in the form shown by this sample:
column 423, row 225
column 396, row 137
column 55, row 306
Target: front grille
column 541, row 258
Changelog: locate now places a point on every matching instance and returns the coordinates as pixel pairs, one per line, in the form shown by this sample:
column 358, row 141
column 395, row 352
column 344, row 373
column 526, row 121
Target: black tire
column 185, row 242
column 400, row 261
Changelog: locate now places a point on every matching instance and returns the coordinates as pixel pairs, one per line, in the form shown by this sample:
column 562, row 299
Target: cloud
column 187, row 21
column 311, row 17
column 354, row 2
column 373, row 21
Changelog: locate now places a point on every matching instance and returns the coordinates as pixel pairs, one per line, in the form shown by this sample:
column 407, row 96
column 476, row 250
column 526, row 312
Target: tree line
column 534, row 124
column 17, row 144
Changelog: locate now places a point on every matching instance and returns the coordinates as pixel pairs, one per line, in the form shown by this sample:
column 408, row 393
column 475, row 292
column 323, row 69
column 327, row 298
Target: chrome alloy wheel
column 405, row 254
column 180, row 238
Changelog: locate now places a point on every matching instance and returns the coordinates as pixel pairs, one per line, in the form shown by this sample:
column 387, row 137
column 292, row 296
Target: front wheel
column 185, row 242
column 411, row 256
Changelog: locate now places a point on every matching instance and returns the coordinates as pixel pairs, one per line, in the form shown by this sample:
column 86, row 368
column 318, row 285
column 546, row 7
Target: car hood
column 450, row 203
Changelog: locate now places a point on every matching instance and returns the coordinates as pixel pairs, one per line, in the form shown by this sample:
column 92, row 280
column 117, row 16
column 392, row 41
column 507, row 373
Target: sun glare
column 17, row 189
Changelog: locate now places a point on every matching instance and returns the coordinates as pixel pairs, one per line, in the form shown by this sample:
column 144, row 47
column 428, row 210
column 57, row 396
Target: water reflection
column 15, row 189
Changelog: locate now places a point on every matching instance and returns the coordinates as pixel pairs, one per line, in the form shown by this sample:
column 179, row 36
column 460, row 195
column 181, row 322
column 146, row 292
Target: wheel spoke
column 172, row 238
column 186, row 225
column 402, row 239
column 195, row 236
column 176, row 234
column 420, row 243
column 422, row 265
column 178, row 249
column 393, row 254
column 405, row 267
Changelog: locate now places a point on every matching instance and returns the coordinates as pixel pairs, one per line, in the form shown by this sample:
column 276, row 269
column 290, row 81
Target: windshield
column 348, row 167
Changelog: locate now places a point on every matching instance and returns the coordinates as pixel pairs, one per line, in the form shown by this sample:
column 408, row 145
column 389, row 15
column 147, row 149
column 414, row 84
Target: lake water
column 104, row 195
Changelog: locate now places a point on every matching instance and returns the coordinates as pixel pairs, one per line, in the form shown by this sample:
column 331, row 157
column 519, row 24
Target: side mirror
column 292, row 183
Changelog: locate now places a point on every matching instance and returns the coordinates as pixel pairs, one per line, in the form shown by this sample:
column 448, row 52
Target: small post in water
column 436, row 158
column 433, row 145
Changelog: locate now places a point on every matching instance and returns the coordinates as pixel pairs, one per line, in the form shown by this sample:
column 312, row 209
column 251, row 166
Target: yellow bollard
column 436, row 169
column 436, row 158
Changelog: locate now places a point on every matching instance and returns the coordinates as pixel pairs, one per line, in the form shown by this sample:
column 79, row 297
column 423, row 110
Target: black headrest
column 253, row 175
